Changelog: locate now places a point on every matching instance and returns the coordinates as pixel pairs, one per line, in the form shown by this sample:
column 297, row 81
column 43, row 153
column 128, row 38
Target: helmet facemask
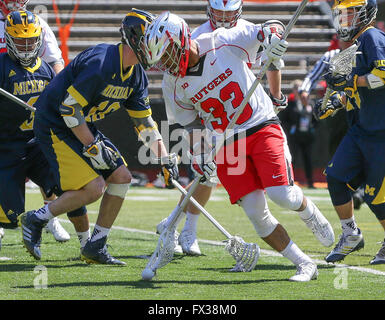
column 132, row 30
column 224, row 13
column 168, row 44
column 223, row 19
column 350, row 20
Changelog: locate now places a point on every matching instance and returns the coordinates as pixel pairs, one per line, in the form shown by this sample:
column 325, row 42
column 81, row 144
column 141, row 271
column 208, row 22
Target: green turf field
column 189, row 278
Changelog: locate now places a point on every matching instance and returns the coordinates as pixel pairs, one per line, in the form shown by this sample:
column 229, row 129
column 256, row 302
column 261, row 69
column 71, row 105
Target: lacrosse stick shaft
column 203, row 210
column 17, row 100
column 185, row 201
column 326, row 98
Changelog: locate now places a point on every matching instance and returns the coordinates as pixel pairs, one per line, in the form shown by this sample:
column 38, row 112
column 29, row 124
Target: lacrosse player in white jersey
column 221, row 14
column 211, row 78
column 50, row 53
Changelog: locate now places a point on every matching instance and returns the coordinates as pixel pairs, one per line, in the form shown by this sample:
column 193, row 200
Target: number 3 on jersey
column 217, row 108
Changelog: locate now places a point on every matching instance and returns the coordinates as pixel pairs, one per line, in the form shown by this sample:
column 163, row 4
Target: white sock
column 99, row 232
column 44, row 213
column 172, row 214
column 191, row 222
column 349, row 226
column 308, row 211
column 295, row 254
column 83, row 237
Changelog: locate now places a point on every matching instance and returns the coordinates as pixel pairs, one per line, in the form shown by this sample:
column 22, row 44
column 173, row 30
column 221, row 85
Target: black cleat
column 31, row 228
column 96, row 252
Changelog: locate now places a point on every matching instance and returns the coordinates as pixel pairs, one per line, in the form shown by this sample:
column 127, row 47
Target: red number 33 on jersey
column 215, row 106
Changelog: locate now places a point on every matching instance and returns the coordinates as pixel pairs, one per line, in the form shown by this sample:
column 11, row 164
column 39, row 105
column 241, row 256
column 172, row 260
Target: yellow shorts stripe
column 74, row 171
column 3, row 217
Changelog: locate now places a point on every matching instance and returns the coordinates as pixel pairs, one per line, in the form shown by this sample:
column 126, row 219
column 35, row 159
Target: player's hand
column 346, row 83
column 272, row 42
column 169, row 169
column 102, row 157
column 203, row 166
column 333, row 105
column 279, row 104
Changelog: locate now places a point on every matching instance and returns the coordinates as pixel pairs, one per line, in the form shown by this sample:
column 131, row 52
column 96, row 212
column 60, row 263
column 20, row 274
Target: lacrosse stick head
column 245, row 254
column 164, row 251
column 342, row 63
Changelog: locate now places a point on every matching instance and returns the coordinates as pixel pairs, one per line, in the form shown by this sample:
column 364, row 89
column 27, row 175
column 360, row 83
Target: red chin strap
column 183, row 64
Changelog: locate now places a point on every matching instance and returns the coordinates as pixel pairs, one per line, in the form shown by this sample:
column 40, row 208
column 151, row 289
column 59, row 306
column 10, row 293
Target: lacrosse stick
column 163, row 253
column 340, row 64
column 16, row 100
column 245, row 254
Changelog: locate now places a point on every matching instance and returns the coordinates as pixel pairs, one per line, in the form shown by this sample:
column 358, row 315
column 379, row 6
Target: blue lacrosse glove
column 333, row 105
column 346, row 83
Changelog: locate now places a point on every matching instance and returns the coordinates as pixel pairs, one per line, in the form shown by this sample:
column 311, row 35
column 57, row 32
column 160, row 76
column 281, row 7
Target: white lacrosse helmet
column 224, row 13
column 167, row 44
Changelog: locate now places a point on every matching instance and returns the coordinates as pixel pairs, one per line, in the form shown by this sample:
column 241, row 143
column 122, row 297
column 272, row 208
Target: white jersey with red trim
column 215, row 87
column 49, row 52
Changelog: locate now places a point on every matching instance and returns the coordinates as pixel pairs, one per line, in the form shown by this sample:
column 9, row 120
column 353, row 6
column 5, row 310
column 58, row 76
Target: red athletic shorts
column 257, row 161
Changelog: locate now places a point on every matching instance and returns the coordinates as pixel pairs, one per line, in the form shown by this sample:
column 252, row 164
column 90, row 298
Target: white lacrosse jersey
column 218, row 84
column 207, row 28
column 49, row 51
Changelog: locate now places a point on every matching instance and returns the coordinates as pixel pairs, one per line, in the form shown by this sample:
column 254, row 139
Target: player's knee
column 94, row 190
column 255, row 206
column 288, row 197
column 120, row 176
column 338, row 190
column 117, row 190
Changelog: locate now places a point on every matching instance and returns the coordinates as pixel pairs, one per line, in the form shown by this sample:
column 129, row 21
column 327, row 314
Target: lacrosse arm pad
column 147, row 130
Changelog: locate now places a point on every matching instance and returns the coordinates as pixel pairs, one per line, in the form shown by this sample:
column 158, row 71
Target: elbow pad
column 375, row 80
column 72, row 113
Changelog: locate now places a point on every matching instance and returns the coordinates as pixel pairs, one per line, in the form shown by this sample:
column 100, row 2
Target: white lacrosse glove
column 272, row 42
column 203, row 166
column 102, row 157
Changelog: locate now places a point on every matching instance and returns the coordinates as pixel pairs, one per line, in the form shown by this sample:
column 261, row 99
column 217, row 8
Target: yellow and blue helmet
column 351, row 16
column 23, row 36
column 132, row 30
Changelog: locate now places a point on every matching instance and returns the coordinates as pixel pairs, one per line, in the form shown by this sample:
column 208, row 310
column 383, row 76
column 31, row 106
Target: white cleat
column 189, row 243
column 60, row 234
column 321, row 228
column 306, row 271
column 159, row 229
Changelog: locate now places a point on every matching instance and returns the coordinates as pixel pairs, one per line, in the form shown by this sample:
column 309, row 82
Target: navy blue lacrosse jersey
column 366, row 110
column 97, row 81
column 16, row 123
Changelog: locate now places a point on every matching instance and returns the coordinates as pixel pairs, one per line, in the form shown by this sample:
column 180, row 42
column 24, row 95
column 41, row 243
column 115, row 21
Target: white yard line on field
column 265, row 252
